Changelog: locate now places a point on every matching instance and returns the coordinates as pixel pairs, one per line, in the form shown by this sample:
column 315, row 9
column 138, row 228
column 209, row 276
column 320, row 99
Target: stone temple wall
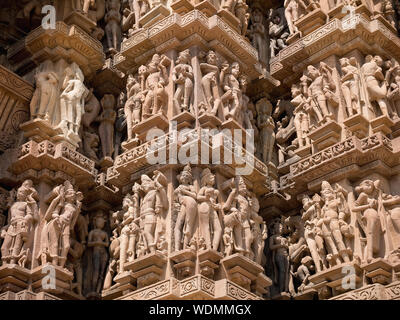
column 188, row 149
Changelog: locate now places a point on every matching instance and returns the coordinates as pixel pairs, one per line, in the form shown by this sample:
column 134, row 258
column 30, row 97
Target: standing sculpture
column 60, row 219
column 210, row 228
column 22, row 215
column 186, row 197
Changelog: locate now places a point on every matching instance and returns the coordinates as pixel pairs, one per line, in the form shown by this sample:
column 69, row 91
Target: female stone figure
column 98, row 241
column 186, row 196
column 312, row 233
column 209, row 225
column 301, row 117
column 22, row 213
column 72, row 101
column 350, row 85
column 291, row 14
column 330, row 224
column 45, row 96
column 130, row 229
column 280, row 257
column 113, row 24
column 370, row 204
column 106, row 127
column 182, row 76
column 238, row 218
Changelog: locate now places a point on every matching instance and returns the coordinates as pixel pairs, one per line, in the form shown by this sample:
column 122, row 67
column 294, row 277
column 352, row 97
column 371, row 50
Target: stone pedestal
column 206, row 7
column 311, row 22
column 326, row 135
column 333, row 278
column 184, row 263
column 13, row 278
column 181, row 6
column 154, row 122
column 184, row 120
column 382, row 124
column 209, row 121
column 81, row 20
column 209, row 262
column 379, row 271
column 154, row 15
column 358, row 125
column 147, row 270
column 242, row 270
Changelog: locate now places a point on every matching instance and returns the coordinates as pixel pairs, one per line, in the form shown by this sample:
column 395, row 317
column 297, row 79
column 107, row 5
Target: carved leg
column 178, row 228
column 217, row 231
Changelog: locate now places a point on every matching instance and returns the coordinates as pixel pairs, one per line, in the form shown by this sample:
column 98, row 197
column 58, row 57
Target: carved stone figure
column 114, row 250
column 212, row 78
column 186, row 197
column 374, row 81
column 44, row 99
column 280, row 257
column 241, row 12
column 130, row 228
column 113, row 25
column 133, row 105
column 303, row 273
column 258, row 34
column 301, row 117
column 278, row 33
column 320, row 91
column 106, row 127
column 292, row 14
column 233, row 93
column 330, row 224
column 98, row 241
column 312, row 233
column 74, row 262
column 228, row 241
column 258, row 230
column 373, row 222
column 209, row 226
column 182, row 76
column 351, row 85
column 152, row 210
column 140, row 8
column 239, row 210
column 22, row 215
column 72, row 101
column 266, row 124
column 60, row 219
column 156, row 97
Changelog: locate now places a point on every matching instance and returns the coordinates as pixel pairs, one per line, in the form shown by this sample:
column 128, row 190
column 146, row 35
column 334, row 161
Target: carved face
column 127, row 202
column 147, row 185
column 378, row 60
column 366, row 186
column 185, row 178
column 235, row 69
column 70, row 196
column 295, row 90
column 313, row 72
column 99, row 222
column 22, row 193
column 211, row 57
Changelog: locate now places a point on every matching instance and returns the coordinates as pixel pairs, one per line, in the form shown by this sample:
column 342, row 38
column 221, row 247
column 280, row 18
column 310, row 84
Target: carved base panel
column 193, row 288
